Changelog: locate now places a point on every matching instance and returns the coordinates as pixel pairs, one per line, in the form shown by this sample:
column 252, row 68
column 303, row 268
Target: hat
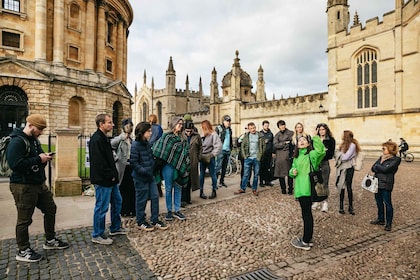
column 37, row 120
column 174, row 122
column 187, row 117
column 226, row 118
column 126, row 121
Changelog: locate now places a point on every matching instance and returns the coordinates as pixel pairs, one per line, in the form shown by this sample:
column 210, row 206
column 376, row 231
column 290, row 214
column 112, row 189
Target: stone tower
column 261, row 85
column 338, row 16
column 170, row 90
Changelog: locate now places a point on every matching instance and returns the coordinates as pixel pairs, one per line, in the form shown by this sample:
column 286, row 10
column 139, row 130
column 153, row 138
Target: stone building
column 372, row 84
column 65, row 59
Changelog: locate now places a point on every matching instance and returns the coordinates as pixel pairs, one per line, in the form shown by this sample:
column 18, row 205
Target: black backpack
column 5, row 169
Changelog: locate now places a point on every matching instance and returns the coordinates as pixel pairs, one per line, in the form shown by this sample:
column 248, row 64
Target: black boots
column 202, row 195
column 351, row 210
column 341, row 211
column 213, row 194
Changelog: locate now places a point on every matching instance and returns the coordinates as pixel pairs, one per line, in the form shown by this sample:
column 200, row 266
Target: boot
column 202, row 195
column 213, row 194
column 159, row 187
column 351, row 210
column 341, row 211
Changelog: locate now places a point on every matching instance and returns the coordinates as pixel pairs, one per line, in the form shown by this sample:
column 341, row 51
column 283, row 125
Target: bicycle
column 408, row 157
column 234, row 165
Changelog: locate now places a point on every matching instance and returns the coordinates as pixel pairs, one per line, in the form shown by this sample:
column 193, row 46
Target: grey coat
column 281, row 144
column 121, row 147
column 195, row 153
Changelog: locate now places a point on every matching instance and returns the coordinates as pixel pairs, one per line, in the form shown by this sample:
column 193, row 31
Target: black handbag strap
column 310, row 163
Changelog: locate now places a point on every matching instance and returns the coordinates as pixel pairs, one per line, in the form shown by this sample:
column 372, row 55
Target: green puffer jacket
column 301, row 164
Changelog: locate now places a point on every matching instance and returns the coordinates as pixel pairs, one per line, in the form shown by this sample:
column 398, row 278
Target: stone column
column 90, row 35
column 67, row 182
column 40, row 29
column 120, row 49
column 100, row 43
column 58, row 38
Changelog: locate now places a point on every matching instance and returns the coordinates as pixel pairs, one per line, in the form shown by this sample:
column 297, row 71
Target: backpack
column 358, row 161
column 5, row 169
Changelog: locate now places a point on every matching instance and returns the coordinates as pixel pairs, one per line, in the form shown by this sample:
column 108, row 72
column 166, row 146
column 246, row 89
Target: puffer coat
column 385, row 172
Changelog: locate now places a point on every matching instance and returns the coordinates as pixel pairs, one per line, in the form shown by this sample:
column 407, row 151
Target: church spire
column 144, row 77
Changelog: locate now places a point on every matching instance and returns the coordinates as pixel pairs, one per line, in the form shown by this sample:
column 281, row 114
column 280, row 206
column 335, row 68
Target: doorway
column 13, row 109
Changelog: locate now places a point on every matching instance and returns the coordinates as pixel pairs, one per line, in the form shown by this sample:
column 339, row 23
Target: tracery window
column 366, row 80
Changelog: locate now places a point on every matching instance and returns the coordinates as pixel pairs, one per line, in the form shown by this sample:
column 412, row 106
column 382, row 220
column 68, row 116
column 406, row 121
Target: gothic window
column 12, row 5
column 159, row 112
column 74, row 16
column 117, row 114
column 145, row 110
column 366, row 80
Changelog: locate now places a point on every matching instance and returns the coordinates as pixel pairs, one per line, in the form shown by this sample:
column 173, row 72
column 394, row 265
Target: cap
column 187, row 117
column 126, row 121
column 227, row 118
column 37, row 120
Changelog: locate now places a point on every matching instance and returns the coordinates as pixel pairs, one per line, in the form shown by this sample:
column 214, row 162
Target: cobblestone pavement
column 229, row 237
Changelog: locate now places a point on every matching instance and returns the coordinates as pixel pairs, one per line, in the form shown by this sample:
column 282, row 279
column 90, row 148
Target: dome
column 245, row 79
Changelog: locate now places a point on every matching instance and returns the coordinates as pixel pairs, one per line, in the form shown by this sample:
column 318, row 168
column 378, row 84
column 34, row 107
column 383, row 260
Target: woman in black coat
column 385, row 168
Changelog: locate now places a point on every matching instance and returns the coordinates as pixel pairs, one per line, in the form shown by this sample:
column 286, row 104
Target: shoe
column 341, row 211
column 146, row 226
column 316, row 206
column 222, row 184
column 249, row 186
column 311, row 243
column 179, row 216
column 262, row 186
column 283, row 191
column 387, row 227
column 202, row 195
column 213, row 195
column 240, row 191
column 160, row 225
column 269, row 184
column 28, row 255
column 324, row 207
column 55, row 244
column 169, row 216
column 351, row 211
column 377, row 222
column 102, row 240
column 298, row 243
column 120, row 231
column 183, row 204
column 254, row 192
column 290, row 192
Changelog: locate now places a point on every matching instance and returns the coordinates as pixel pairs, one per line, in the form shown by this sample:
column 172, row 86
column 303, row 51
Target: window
column 10, row 39
column 366, row 80
column 74, row 18
column 144, row 117
column 109, row 32
column 159, row 112
column 109, row 65
column 12, row 5
column 73, row 53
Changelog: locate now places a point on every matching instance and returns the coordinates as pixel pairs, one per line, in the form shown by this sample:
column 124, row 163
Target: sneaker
column 28, row 255
column 146, row 226
column 160, row 225
column 298, row 243
column 55, row 244
column 102, row 240
column 120, row 231
column 324, row 207
column 222, row 184
column 254, row 192
column 179, row 215
column 169, row 216
column 377, row 222
column 283, row 191
column 240, row 191
column 269, row 184
column 316, row 206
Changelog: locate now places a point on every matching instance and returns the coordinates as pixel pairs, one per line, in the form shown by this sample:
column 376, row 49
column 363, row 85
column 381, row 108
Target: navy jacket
column 141, row 161
column 385, row 172
column 102, row 165
column 27, row 169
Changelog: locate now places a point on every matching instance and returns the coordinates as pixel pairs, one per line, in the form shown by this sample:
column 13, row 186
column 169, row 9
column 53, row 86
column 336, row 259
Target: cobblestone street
column 240, row 234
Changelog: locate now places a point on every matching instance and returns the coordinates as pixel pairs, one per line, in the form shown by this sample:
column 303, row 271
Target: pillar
column 40, row 29
column 58, row 38
column 89, row 49
column 100, row 43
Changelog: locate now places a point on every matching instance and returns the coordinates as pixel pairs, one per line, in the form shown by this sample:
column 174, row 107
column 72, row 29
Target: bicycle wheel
column 238, row 167
column 229, row 168
column 409, row 157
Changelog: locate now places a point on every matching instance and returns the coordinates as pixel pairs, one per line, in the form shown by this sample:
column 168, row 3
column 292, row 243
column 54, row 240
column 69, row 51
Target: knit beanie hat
column 187, row 117
column 37, row 120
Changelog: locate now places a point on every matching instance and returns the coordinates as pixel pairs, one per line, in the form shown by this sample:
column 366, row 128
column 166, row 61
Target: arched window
column 75, row 111
column 74, row 16
column 159, row 112
column 117, row 113
column 13, row 109
column 366, row 80
column 145, row 110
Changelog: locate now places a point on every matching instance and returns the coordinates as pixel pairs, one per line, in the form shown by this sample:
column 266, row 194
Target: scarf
column 385, row 157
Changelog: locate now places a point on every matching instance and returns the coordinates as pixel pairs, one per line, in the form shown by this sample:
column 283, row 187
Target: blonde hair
column 153, row 118
column 391, row 146
column 207, row 127
column 347, row 140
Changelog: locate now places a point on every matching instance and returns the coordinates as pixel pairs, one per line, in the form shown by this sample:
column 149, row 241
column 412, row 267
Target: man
column 104, row 176
column 403, row 146
column 252, row 148
column 27, row 184
column 225, row 133
column 266, row 159
column 282, row 141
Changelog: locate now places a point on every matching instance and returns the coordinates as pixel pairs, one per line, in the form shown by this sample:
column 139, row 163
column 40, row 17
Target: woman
column 385, row 168
column 157, row 132
column 328, row 140
column 347, row 151
column 299, row 131
column 141, row 160
column 194, row 140
column 304, row 155
column 173, row 149
column 212, row 147
column 121, row 144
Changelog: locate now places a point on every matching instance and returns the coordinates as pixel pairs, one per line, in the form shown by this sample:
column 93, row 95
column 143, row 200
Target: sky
column 287, row 38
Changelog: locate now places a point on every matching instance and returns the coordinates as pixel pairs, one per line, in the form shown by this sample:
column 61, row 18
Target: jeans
column 383, row 197
column 222, row 161
column 308, row 220
column 212, row 170
column 104, row 196
column 249, row 164
column 27, row 197
column 168, row 175
column 348, row 180
column 145, row 190
column 326, row 170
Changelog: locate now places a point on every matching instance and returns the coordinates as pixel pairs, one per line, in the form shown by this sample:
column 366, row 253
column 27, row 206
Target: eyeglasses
column 383, row 149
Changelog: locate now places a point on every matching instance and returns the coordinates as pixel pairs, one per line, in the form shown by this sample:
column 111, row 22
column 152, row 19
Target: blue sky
column 287, row 38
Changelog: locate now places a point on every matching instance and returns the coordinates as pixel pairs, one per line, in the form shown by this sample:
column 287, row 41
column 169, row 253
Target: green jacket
column 301, row 164
column 245, row 146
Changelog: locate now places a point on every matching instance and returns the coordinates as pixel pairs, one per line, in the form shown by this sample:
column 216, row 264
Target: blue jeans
column 145, row 190
column 212, row 169
column 104, row 196
column 249, row 164
column 383, row 197
column 168, row 176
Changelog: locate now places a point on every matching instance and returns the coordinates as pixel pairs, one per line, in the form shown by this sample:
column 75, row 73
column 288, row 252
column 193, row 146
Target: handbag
column 318, row 191
column 205, row 158
column 370, row 183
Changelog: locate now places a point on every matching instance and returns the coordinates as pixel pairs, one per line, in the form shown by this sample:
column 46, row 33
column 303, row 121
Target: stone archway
column 13, row 109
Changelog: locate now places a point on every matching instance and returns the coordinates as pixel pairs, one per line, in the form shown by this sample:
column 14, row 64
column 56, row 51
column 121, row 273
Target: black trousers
column 265, row 174
column 308, row 220
column 186, row 192
column 128, row 194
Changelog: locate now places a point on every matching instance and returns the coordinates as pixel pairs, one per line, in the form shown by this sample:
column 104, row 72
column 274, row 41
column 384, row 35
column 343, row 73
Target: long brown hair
column 347, row 140
column 207, row 128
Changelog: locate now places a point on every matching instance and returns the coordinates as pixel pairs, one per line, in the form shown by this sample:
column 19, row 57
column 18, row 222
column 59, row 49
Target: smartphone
column 52, row 154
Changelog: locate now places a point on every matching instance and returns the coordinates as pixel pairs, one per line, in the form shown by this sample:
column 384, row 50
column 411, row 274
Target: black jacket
column 385, row 172
column 268, row 136
column 102, row 166
column 221, row 131
column 141, row 161
column 27, row 168
column 329, row 144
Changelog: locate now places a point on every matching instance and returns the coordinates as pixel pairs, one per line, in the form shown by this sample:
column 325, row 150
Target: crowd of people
column 128, row 170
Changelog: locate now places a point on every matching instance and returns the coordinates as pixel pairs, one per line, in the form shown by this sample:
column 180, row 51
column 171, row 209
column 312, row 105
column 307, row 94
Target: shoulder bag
column 318, row 191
